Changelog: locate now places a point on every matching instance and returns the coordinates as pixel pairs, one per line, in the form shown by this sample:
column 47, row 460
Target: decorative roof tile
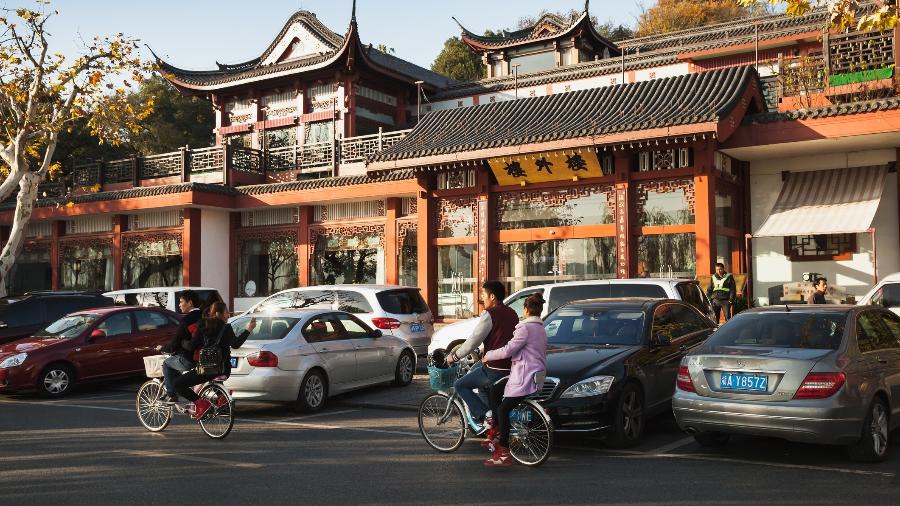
column 658, row 103
column 884, row 104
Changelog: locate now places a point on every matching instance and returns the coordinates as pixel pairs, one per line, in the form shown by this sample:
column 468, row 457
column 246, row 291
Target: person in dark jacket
column 182, row 359
column 494, row 329
column 821, row 286
column 211, row 328
column 722, row 291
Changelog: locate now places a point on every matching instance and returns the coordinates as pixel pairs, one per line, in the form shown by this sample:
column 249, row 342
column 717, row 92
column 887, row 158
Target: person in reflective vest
column 722, row 291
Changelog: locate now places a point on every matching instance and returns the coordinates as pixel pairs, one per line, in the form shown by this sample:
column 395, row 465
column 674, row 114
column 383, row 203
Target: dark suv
column 22, row 316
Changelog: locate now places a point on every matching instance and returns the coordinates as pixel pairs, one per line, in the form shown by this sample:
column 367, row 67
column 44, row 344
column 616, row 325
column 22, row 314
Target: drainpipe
column 874, row 256
column 747, row 265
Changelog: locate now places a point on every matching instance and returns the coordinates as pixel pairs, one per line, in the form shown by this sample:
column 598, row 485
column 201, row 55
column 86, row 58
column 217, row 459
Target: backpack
column 211, row 362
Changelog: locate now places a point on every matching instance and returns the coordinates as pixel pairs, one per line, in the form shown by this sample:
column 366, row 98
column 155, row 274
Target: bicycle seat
column 219, row 379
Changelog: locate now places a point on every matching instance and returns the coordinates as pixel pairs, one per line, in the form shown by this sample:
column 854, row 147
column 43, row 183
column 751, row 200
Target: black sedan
column 612, row 363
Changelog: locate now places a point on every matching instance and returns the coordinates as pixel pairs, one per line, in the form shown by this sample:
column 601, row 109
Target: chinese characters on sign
column 482, row 238
column 554, row 166
column 622, row 267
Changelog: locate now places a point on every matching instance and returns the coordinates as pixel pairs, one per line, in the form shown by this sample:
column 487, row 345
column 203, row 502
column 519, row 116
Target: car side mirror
column 97, row 333
column 375, row 333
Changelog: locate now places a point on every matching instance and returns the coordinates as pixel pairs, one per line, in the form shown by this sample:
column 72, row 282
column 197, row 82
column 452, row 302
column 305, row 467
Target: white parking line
column 672, row 446
column 317, row 415
column 84, row 406
column 189, row 458
column 329, row 427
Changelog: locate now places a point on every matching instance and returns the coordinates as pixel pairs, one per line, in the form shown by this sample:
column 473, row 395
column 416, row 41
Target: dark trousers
column 169, row 377
column 723, row 306
column 502, row 417
column 187, row 380
column 480, row 377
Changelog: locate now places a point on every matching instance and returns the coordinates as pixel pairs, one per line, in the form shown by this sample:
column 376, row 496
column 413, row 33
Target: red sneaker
column 201, row 406
column 491, row 438
column 500, row 458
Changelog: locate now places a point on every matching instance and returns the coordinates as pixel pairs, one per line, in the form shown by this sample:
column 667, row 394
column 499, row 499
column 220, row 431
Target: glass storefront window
column 266, row 266
column 149, row 263
column 30, row 272
column 668, row 255
column 240, row 140
column 526, row 264
column 666, row 204
column 409, row 273
column 281, row 137
column 456, row 217
column 534, row 62
column 353, row 258
column 557, row 208
column 86, row 267
column 321, row 131
column 456, row 281
column 723, row 251
column 724, row 213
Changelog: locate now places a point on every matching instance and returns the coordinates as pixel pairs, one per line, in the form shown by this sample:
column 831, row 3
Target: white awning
column 838, row 201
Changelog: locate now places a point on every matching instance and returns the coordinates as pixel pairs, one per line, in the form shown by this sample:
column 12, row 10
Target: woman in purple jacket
column 528, row 351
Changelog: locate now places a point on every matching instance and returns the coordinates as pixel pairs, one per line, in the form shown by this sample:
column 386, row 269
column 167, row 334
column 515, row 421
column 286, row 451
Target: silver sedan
column 818, row 374
column 304, row 356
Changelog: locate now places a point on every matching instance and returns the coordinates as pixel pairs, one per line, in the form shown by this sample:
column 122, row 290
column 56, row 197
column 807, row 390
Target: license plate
column 740, row 381
column 417, row 327
column 233, row 362
column 521, row 415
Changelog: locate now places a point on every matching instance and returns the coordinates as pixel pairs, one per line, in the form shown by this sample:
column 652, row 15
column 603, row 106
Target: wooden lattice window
column 820, row 247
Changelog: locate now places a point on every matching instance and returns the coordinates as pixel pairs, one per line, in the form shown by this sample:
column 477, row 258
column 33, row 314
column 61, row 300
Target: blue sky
column 194, row 34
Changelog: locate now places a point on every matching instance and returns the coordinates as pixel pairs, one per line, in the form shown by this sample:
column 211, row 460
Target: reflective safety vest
column 719, row 284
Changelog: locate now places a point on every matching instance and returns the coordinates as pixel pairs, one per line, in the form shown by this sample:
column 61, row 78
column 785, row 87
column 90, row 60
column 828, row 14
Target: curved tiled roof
column 884, row 104
column 518, row 36
column 658, row 103
column 328, row 182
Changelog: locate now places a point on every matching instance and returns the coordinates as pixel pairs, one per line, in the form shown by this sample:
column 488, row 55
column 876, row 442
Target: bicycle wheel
column 530, row 435
column 219, row 420
column 153, row 414
column 443, row 433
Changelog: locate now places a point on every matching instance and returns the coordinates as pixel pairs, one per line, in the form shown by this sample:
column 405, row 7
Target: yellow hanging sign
column 553, row 166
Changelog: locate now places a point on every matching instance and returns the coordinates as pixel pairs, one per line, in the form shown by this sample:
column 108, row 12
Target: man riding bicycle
column 494, row 329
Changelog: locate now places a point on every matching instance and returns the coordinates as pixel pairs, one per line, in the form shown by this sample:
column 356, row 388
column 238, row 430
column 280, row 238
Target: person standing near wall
column 722, row 291
column 821, row 287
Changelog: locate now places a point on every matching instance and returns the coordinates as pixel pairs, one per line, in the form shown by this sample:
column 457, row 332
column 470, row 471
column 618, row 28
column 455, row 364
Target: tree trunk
column 28, row 188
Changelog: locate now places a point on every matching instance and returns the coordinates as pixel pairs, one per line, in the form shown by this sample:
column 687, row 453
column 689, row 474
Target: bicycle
column 155, row 414
column 444, row 418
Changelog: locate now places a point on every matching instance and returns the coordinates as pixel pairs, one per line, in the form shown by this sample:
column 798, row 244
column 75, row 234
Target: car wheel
column 876, row 435
column 628, row 424
column 711, row 439
column 56, row 380
column 406, row 364
column 313, row 391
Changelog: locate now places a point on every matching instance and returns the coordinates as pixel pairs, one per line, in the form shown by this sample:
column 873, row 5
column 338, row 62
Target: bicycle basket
column 442, row 379
column 153, row 365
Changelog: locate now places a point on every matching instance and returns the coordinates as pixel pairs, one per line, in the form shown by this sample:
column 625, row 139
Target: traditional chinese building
column 655, row 156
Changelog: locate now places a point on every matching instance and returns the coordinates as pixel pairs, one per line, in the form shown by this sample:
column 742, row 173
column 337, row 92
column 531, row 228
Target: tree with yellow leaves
column 844, row 13
column 42, row 93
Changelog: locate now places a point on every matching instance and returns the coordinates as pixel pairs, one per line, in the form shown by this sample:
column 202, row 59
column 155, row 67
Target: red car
column 88, row 345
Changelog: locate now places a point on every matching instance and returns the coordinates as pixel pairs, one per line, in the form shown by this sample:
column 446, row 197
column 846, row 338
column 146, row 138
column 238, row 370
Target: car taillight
column 386, row 323
column 263, row 359
column 819, row 385
column 684, row 381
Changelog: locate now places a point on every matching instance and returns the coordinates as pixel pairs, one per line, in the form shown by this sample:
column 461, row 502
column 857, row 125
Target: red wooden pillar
column 57, row 230
column 626, row 252
column 488, row 254
column 190, row 251
column 304, row 248
column 391, row 247
column 350, row 104
column 426, row 251
column 705, row 209
column 119, row 224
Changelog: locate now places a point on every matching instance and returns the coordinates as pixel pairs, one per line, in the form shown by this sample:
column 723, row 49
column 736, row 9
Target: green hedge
column 861, row 76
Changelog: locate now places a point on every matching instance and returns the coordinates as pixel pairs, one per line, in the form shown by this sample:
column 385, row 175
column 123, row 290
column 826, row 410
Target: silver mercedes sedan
column 303, row 356
column 819, row 374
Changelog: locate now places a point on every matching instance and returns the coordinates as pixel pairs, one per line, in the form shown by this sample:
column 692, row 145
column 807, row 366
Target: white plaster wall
column 242, row 304
column 771, row 267
column 214, row 260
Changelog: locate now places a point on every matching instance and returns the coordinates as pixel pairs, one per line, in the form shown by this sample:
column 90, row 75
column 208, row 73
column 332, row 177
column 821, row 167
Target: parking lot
column 365, row 447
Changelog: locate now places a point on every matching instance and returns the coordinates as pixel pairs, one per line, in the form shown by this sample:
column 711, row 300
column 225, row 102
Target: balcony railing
column 357, row 149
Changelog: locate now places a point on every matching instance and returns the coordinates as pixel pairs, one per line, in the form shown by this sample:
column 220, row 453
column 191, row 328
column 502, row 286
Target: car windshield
column 67, row 326
column 268, row 328
column 318, row 299
column 796, row 329
column 601, row 326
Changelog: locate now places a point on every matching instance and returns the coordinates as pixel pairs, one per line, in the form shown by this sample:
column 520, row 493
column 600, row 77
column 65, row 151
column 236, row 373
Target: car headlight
column 596, row 385
column 13, row 361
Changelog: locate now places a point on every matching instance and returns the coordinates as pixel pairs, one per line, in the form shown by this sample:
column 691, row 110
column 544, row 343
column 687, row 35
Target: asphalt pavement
column 364, row 448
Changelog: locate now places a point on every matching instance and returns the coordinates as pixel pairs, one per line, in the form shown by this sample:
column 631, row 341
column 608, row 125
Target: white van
column 556, row 295
column 163, row 296
column 885, row 294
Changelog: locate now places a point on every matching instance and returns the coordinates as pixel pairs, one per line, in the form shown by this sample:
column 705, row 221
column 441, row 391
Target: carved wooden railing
column 357, row 149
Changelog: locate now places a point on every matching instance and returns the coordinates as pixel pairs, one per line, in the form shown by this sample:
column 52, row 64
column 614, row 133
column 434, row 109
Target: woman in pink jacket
column 528, row 351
